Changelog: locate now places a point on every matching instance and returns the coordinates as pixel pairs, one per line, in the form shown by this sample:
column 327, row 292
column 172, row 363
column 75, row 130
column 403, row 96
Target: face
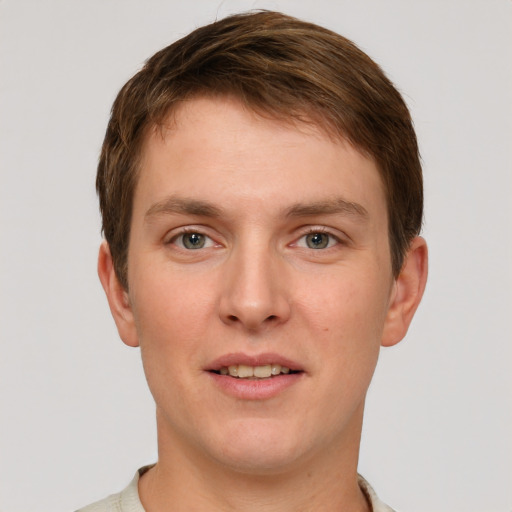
column 260, row 286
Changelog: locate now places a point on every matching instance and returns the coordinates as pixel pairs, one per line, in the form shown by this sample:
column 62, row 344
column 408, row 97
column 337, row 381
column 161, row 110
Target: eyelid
column 339, row 237
column 176, row 233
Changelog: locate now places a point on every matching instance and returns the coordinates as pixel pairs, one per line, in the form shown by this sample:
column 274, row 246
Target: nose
column 254, row 292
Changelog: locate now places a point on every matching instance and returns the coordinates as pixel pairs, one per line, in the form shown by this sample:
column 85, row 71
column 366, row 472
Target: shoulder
column 376, row 504
column 110, row 504
column 125, row 501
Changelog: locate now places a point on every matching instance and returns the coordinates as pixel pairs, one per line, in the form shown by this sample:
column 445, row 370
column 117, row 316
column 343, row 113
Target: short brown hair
column 278, row 66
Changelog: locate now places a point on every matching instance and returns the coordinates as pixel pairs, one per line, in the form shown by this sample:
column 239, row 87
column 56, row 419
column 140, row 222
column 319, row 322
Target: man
column 261, row 194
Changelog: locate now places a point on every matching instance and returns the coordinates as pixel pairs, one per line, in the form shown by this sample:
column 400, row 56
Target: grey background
column 76, row 419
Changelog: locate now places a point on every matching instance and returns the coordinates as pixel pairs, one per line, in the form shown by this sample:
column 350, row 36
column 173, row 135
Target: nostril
column 234, row 318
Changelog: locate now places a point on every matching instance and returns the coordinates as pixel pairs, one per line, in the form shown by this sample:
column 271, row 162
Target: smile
column 243, row 371
column 255, row 376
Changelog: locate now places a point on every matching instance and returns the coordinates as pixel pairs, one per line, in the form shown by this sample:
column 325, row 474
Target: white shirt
column 129, row 501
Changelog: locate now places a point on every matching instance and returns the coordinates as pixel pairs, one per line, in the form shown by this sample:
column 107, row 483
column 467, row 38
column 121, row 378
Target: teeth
column 243, row 371
column 263, row 372
column 275, row 369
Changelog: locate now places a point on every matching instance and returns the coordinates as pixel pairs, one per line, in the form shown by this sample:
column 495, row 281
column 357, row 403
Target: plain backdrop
column 76, row 418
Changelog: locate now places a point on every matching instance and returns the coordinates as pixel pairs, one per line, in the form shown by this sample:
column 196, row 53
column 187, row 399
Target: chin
column 260, row 447
column 257, row 461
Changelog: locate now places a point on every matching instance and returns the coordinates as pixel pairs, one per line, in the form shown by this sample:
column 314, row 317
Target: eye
column 192, row 240
column 318, row 240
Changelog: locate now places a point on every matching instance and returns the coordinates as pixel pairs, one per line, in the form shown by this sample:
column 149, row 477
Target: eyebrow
column 332, row 206
column 183, row 206
column 187, row 206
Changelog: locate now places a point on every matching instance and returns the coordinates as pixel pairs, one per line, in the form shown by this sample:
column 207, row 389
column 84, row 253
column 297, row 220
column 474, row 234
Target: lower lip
column 263, row 389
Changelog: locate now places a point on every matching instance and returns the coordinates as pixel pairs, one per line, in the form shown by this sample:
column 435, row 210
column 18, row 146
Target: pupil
column 194, row 241
column 317, row 240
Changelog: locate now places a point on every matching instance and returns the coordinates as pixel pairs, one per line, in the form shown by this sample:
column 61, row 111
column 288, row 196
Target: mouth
column 255, row 377
column 258, row 367
column 244, row 371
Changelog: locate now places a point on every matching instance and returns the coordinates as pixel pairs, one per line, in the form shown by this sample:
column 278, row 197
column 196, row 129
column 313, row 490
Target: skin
column 258, row 286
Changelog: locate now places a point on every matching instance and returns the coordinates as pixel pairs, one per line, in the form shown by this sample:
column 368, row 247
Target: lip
column 253, row 360
column 247, row 389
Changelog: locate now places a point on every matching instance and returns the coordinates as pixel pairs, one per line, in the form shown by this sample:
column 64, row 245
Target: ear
column 117, row 297
column 407, row 292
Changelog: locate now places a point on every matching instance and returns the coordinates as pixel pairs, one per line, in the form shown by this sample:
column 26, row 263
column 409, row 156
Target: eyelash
column 185, row 231
column 311, row 231
column 320, row 230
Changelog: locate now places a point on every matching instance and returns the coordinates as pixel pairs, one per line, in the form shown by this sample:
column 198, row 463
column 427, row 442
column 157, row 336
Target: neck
column 184, row 479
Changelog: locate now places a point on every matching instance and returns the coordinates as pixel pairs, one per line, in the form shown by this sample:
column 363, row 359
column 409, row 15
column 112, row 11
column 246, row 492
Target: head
column 261, row 192
column 281, row 68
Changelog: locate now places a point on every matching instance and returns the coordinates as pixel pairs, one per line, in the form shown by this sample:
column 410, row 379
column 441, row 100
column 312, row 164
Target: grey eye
column 193, row 240
column 317, row 240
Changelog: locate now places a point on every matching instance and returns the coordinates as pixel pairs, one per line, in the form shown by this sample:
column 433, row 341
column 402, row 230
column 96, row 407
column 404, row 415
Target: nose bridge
column 254, row 292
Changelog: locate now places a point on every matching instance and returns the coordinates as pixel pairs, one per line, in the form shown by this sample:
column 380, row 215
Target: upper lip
column 252, row 360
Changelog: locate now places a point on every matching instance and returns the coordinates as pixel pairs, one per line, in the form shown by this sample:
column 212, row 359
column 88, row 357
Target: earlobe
column 117, row 297
column 407, row 293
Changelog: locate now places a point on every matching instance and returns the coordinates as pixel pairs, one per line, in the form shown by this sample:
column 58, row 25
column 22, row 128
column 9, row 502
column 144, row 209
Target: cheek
column 351, row 305
column 347, row 323
column 171, row 319
column 171, row 307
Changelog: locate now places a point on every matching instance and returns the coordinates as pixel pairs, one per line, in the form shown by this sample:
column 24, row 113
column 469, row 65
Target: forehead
column 213, row 146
